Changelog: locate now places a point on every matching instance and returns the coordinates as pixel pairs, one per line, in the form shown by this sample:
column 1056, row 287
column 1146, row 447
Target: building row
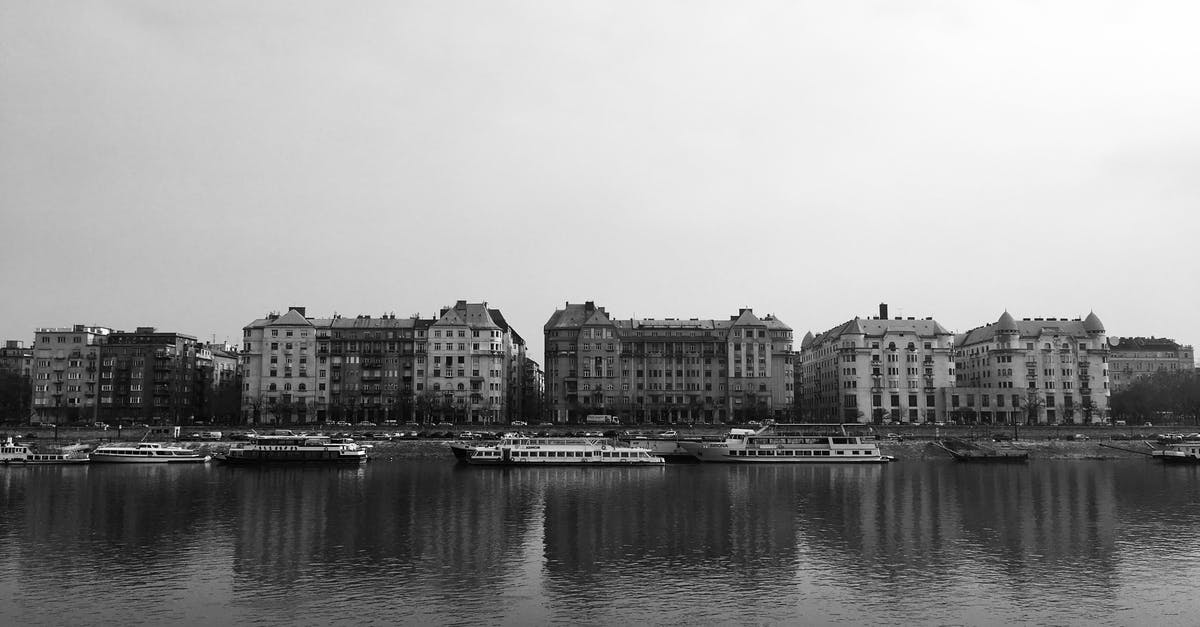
column 86, row 373
column 466, row 365
column 666, row 370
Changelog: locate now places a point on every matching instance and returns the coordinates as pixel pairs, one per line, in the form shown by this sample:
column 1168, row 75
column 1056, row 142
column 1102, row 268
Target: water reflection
column 1068, row 542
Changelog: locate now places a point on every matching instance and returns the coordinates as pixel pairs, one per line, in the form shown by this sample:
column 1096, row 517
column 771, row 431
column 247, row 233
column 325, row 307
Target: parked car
column 669, row 434
column 1001, row 437
column 366, row 423
column 520, row 423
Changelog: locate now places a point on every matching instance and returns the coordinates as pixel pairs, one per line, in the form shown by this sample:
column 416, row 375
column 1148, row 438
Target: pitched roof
column 291, row 319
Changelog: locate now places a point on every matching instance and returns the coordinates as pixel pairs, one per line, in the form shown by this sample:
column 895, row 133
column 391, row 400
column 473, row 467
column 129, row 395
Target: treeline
column 1161, row 396
column 16, row 397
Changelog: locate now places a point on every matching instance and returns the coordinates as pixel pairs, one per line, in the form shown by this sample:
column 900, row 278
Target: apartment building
column 666, row 371
column 17, row 358
column 462, row 367
column 65, row 373
column 876, row 369
column 149, row 376
column 1031, row 371
column 1132, row 358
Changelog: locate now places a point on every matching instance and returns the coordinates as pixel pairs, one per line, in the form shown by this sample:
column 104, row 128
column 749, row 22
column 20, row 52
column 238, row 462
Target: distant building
column 65, row 373
column 149, row 376
column 218, row 373
column 370, row 368
column 1035, row 370
column 462, row 366
column 474, row 355
column 279, row 370
column 876, row 370
column 666, row 371
column 17, row 358
column 1132, row 358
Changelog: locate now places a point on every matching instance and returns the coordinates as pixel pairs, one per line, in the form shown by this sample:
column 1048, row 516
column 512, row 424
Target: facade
column 148, row 376
column 1131, row 358
column 473, row 373
column 65, row 373
column 462, row 367
column 876, row 370
column 666, row 371
column 17, row 358
column 370, row 369
column 279, row 370
column 219, row 381
column 1032, row 371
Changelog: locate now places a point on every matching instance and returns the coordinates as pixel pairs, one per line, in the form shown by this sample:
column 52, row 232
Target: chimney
column 883, row 311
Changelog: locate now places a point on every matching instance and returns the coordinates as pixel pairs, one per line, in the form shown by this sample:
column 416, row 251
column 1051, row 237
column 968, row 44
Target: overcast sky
column 195, row 165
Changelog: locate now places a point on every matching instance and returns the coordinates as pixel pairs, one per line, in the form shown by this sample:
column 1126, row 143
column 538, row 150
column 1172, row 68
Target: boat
column 147, row 453
column 559, row 451
column 791, row 444
column 965, row 451
column 14, row 453
column 667, row 447
column 286, row 447
column 1185, row 452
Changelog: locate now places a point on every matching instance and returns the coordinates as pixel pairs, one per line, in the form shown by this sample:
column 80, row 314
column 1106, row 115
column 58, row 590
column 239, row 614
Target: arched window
column 460, row 387
column 287, row 387
column 891, row 346
column 271, row 387
column 301, row 387
column 437, row 387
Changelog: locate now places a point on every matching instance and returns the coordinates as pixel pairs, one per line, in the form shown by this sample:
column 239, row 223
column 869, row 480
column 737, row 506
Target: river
column 430, row 542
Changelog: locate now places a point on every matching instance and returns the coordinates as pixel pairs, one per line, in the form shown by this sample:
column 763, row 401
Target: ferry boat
column 13, row 453
column 295, row 448
column 787, row 443
column 551, row 451
column 147, row 453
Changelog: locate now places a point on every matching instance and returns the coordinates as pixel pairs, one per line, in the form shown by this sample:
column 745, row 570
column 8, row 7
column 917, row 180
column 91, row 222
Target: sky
column 195, row 165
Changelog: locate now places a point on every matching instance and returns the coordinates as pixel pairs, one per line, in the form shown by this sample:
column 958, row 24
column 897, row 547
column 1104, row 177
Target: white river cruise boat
column 550, row 451
column 789, row 443
column 287, row 447
column 14, row 453
column 146, row 453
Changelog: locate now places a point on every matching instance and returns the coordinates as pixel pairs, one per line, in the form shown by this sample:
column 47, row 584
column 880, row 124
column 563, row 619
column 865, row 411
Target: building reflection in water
column 438, row 541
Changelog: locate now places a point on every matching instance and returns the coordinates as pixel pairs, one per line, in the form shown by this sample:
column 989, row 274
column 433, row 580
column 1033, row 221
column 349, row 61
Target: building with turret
column 1031, row 371
column 668, row 371
column 1132, row 358
column 876, row 369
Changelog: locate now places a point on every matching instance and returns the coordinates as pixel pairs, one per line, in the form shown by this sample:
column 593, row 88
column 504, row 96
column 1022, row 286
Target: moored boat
column 147, row 453
column 964, row 451
column 788, row 443
column 15, row 453
column 1185, row 452
column 286, row 447
column 551, row 451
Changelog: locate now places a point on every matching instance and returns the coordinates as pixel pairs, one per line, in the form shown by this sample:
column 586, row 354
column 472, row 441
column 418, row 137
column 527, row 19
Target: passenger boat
column 147, row 453
column 784, row 443
column 13, row 453
column 1186, row 452
column 286, row 447
column 550, row 451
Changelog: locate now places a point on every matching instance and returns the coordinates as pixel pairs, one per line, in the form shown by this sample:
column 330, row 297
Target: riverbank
column 912, row 447
column 902, row 451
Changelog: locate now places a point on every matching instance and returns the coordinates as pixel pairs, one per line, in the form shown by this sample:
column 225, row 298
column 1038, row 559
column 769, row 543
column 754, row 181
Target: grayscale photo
column 599, row 313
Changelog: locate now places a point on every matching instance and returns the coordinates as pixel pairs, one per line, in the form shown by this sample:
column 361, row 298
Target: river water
column 431, row 542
